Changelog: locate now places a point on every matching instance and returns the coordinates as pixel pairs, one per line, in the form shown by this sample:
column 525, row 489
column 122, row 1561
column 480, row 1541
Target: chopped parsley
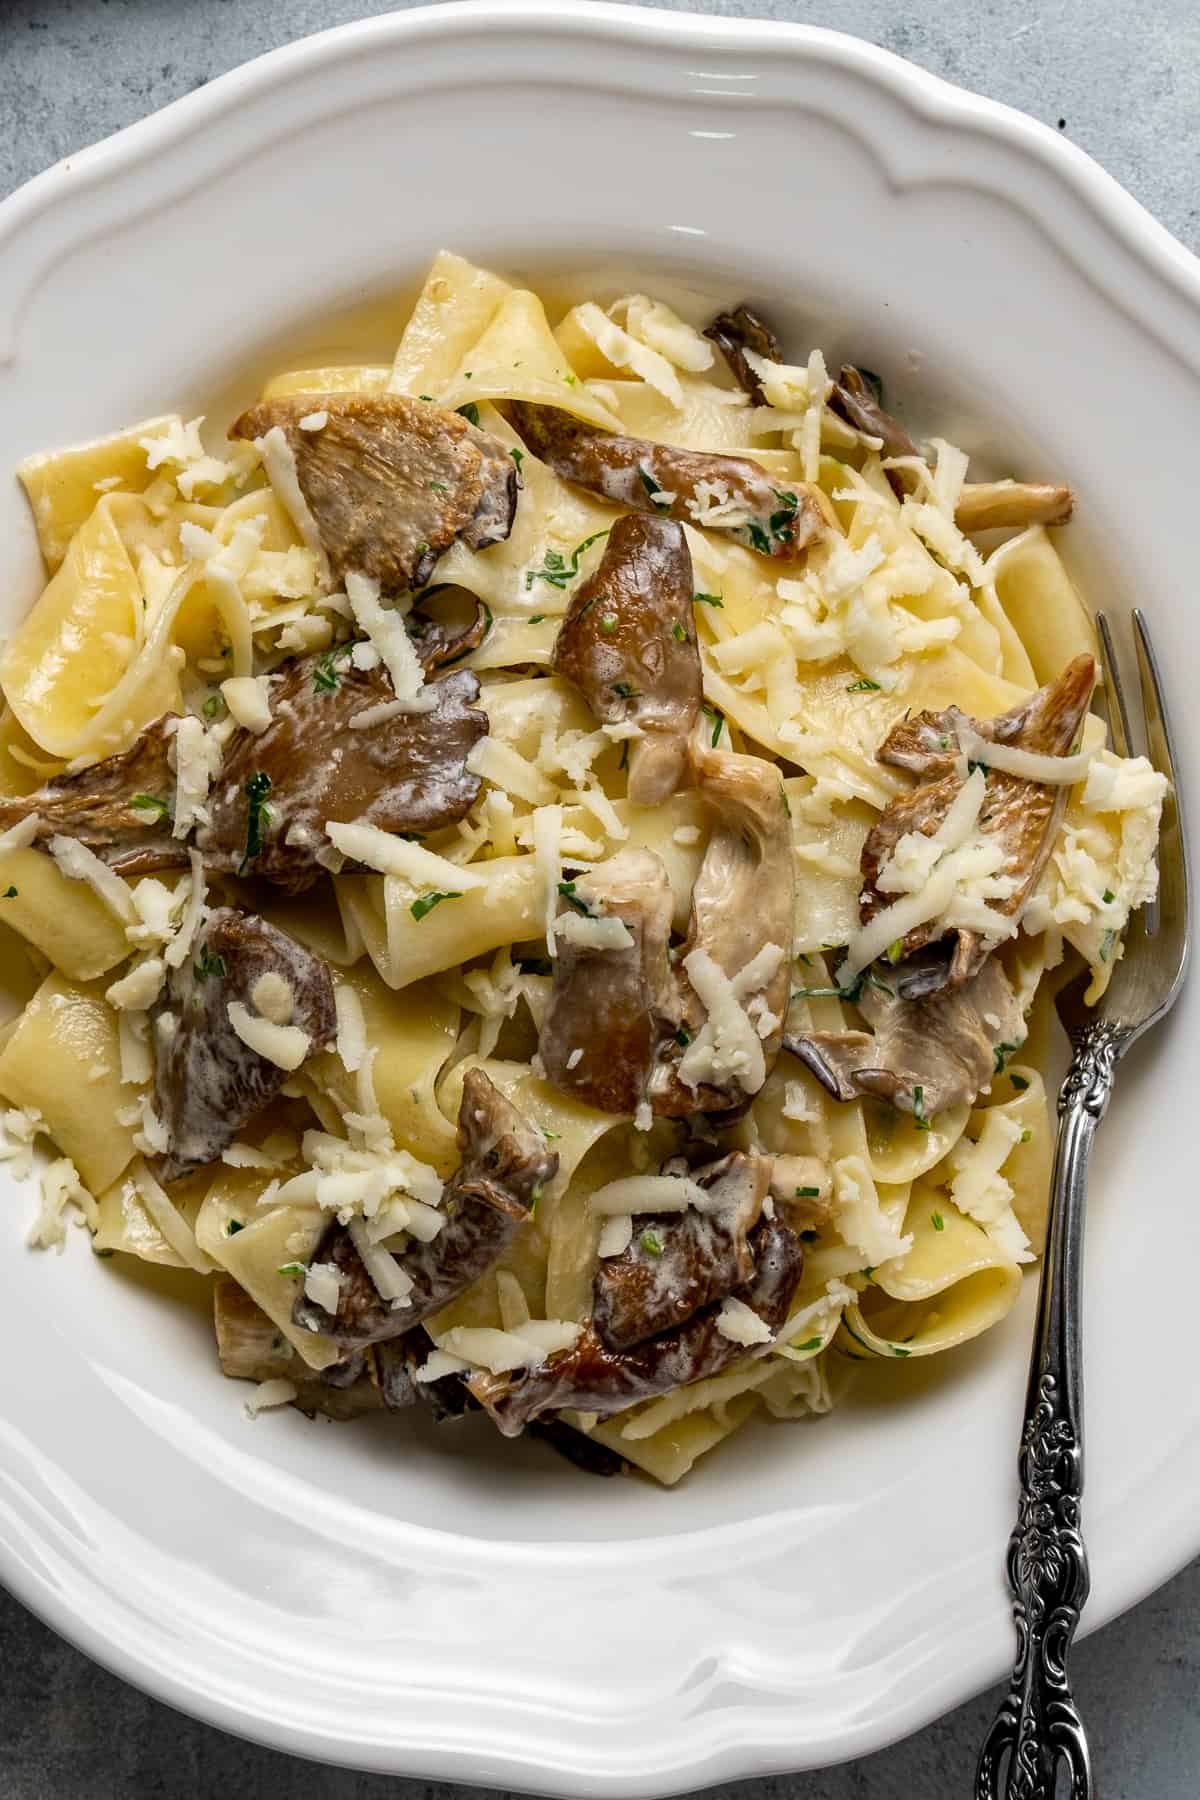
column 918, row 1113
column 781, row 522
column 623, row 763
column 257, row 789
column 325, row 675
column 292, row 1268
column 852, row 994
column 1108, row 896
column 557, row 571
column 1026, row 1136
column 469, row 412
column 787, row 805
column 208, row 963
column 427, row 902
column 567, row 890
column 10, row 893
column 895, row 951
column 865, row 686
column 438, row 487
column 571, row 380
column 897, row 1350
column 150, row 803
column 536, row 618
column 999, row 1054
column 1106, row 945
column 651, row 1243
column 550, row 1136
column 683, row 1036
column 679, row 633
column 607, row 623
column 707, row 600
column 623, row 691
column 758, row 538
column 518, row 457
column 718, row 719
column 937, row 1221
column 214, row 707
column 808, row 1193
column 534, row 1197
column 233, row 1227
column 652, row 488
column 808, row 1344
column 972, row 766
column 1020, row 1082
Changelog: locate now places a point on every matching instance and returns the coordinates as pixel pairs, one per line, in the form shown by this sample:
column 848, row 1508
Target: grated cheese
column 500, row 1351
column 248, row 698
column 315, row 421
column 741, row 1324
column 391, row 1282
column 592, row 934
column 616, row 1235
column 547, row 857
column 323, row 1285
column 626, row 352
column 506, row 768
column 20, row 835
column 284, row 1045
column 276, row 1392
column 280, row 465
column 727, row 1044
column 648, row 1193
column 351, row 1027
column 1051, row 771
column 273, row 997
column 79, row 863
column 138, row 989
column 196, row 756
column 391, row 855
column 384, row 626
column 174, row 1228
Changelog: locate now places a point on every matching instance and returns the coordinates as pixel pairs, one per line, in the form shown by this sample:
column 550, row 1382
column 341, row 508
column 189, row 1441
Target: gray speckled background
column 73, row 70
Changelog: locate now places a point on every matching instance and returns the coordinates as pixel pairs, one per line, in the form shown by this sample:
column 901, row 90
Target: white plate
column 373, row 1596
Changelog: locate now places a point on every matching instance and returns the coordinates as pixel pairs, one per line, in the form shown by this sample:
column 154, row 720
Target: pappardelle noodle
column 534, row 867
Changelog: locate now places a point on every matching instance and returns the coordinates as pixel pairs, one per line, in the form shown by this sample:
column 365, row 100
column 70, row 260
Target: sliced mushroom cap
column 312, row 764
column 943, row 1045
column 999, row 505
column 389, row 482
column 854, row 399
column 738, row 331
column 504, row 1168
column 251, row 1348
column 628, row 642
column 1021, row 816
column 438, row 643
column 208, row 1082
column 96, row 806
column 591, row 1378
column 678, row 1262
column 743, row 910
column 680, row 484
column 604, row 1020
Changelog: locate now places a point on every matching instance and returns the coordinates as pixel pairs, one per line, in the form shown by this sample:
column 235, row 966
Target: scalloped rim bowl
column 387, row 1599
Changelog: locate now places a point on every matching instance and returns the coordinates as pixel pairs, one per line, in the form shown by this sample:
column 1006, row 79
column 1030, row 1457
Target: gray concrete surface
column 1122, row 82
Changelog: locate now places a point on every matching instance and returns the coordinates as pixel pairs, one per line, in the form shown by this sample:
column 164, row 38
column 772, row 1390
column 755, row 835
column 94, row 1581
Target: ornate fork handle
column 1038, row 1724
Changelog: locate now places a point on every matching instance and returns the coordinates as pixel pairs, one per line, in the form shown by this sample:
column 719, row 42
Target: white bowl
column 379, row 1597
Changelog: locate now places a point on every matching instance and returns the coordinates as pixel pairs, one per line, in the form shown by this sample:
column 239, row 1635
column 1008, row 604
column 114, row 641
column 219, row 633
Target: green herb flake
column 567, row 890
column 808, row 1193
column 623, row 691
column 536, row 618
column 679, row 633
column 707, row 600
column 10, row 893
column 623, row 763
column 937, row 1221
column 918, row 1109
column 518, row 457
column 865, row 686
column 809, row 1344
column 559, row 572
column 683, row 1036
column 1106, row 945
column 895, row 951
column 257, row 789
column 758, row 538
column 214, row 707
column 781, row 522
column 426, row 902
column 1026, row 1136
column 438, row 487
column 571, row 380
column 428, row 397
column 150, row 803
column 898, row 1350
column 292, row 1268
column 1000, row 1053
column 1020, row 1082
column 718, row 719
column 550, row 1136
column 972, row 766
column 534, row 1197
column 325, row 675
column 469, row 412
column 653, row 490
column 208, row 963
column 868, row 1271
column 1108, row 896
column 651, row 1243
column 233, row 1227
column 607, row 623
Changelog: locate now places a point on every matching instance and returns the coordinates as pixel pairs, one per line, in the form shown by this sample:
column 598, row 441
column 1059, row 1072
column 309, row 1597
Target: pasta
column 539, row 869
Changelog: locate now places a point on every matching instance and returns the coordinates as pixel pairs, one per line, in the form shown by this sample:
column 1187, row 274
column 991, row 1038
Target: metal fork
column 1038, row 1729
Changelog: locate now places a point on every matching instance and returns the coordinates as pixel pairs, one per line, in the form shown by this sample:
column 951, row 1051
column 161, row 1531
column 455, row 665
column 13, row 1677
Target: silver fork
column 1038, row 1729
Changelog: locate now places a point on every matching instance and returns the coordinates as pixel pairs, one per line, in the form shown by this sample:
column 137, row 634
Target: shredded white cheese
column 79, row 863
column 616, row 1235
column 276, row 1392
column 1030, row 765
column 280, row 464
column 593, row 934
column 323, row 1285
column 284, row 1045
column 351, row 1027
column 741, row 1324
column 398, row 856
column 648, row 1193
column 384, row 626
column 248, row 698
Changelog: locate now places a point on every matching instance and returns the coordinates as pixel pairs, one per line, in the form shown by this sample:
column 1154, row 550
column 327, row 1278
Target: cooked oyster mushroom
column 678, row 1262
column 504, row 1168
column 121, row 808
column 208, row 1080
column 276, row 789
column 729, row 493
column 439, row 644
column 1022, row 816
column 251, row 1348
column 924, row 1055
column 388, row 482
column 602, row 1026
column 738, row 331
column 740, row 933
column 593, row 1379
column 982, row 505
column 628, row 642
